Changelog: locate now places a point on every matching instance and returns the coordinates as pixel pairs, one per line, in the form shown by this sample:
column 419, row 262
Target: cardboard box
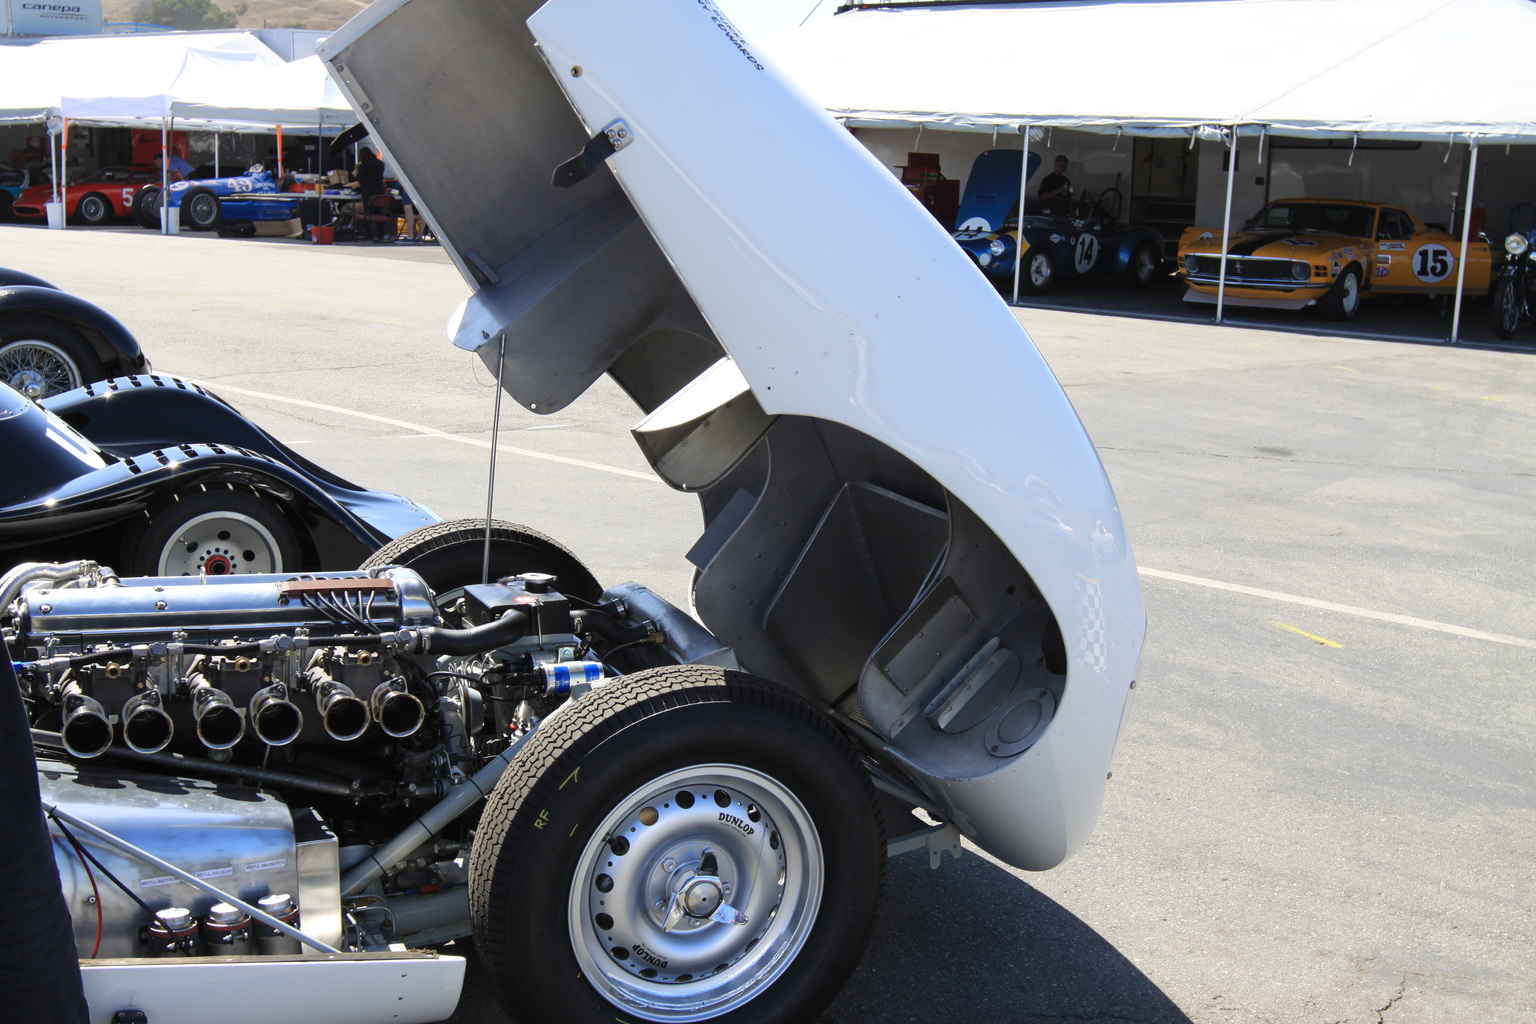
column 293, row 228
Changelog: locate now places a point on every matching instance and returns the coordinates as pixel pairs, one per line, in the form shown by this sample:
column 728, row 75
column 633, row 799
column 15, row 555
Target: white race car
column 914, row 589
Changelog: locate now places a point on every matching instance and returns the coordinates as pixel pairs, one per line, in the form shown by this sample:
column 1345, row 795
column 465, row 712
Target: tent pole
column 165, row 175
column 1019, row 225
column 1466, row 240
column 1226, row 228
column 279, row 151
column 53, row 158
column 218, row 137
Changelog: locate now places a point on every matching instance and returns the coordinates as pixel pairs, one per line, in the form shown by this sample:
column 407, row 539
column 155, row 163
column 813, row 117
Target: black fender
column 9, row 277
column 113, row 343
column 111, row 497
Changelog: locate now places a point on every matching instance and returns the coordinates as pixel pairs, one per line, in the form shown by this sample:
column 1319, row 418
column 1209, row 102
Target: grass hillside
column 316, row 14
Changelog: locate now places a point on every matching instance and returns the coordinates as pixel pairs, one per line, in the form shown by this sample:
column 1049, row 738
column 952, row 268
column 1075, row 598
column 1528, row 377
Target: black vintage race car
column 156, row 476
column 51, row 341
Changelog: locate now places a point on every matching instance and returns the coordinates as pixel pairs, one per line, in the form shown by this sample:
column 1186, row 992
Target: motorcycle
column 1514, row 294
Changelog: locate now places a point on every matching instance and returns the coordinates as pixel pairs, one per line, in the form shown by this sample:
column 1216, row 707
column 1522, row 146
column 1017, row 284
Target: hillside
column 317, row 14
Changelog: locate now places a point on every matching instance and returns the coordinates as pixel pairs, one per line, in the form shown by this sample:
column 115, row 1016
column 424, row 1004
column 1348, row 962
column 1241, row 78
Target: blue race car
column 1089, row 244
column 254, row 195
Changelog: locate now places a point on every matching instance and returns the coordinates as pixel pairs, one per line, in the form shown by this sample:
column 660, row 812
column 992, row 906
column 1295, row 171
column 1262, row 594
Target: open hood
column 905, row 520
column 992, row 190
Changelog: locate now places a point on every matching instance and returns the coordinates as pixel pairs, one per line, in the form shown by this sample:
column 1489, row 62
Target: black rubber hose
column 475, row 640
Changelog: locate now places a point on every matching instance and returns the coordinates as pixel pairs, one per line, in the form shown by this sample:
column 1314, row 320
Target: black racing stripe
column 1253, row 245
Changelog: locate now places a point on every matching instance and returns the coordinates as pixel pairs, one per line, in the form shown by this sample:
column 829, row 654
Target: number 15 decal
column 1433, row 263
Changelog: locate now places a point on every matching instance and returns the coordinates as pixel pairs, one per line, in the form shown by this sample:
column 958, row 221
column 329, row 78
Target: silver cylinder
column 227, row 931
column 345, row 716
column 276, row 720
column 146, row 726
column 173, row 932
column 398, row 713
column 270, row 941
column 220, row 725
column 87, row 732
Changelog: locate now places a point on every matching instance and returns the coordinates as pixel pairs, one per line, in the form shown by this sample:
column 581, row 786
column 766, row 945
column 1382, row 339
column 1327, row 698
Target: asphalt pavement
column 1322, row 810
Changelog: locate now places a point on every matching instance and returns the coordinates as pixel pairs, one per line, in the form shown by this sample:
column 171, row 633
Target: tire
column 451, row 554
column 565, row 917
column 1343, row 300
column 5, row 206
column 215, row 529
column 41, row 356
column 1143, row 267
column 201, row 209
column 1039, row 273
column 93, row 209
column 146, row 207
column 1508, row 306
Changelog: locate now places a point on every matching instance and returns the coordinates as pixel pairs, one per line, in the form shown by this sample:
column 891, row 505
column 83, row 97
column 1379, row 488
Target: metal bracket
column 938, row 839
column 598, row 148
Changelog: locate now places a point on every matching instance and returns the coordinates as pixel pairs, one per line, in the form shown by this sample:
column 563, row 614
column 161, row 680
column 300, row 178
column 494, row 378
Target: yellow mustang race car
column 1328, row 252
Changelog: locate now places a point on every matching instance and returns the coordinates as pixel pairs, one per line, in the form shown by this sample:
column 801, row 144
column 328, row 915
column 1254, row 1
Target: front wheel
column 146, row 207
column 683, row 844
column 41, row 356
column 1039, row 270
column 93, row 210
column 451, row 554
column 1343, row 300
column 201, row 209
column 1508, row 305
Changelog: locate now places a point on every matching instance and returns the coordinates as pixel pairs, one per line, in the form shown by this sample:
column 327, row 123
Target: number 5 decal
column 1433, row 263
column 1086, row 252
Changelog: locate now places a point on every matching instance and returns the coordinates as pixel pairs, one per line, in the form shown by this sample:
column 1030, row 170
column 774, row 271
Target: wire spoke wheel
column 711, row 898
column 37, row 369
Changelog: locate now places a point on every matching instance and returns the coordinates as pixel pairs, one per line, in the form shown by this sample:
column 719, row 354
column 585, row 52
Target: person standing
column 1056, row 187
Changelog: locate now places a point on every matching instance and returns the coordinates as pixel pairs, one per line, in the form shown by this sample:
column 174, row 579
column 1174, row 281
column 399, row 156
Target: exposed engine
column 308, row 743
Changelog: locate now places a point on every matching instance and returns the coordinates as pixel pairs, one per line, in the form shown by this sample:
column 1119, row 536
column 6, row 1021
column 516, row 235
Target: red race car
column 90, row 197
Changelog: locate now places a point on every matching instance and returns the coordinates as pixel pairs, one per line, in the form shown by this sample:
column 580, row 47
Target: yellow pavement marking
column 1330, row 606
column 1491, row 398
column 1310, row 636
column 1351, row 369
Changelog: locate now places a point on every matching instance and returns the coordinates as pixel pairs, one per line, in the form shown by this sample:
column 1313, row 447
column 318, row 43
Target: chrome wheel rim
column 1509, row 312
column 663, row 937
column 38, row 369
column 204, row 209
column 92, row 209
column 1146, row 265
column 220, row 543
column 1039, row 271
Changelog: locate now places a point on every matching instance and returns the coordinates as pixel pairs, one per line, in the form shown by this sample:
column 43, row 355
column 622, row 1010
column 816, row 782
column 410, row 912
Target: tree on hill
column 188, row 14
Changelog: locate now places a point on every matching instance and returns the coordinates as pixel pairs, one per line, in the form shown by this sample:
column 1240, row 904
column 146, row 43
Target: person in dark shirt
column 1056, row 187
column 368, row 179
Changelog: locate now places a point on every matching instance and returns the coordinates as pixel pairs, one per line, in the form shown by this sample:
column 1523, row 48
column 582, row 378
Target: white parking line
column 1329, row 606
column 424, row 431
column 1236, row 588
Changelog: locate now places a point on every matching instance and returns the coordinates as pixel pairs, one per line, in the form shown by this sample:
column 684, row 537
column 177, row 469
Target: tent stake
column 1466, row 240
column 1018, row 245
column 1226, row 229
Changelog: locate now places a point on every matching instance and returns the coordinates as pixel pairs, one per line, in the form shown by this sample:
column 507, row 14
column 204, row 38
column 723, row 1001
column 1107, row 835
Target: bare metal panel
column 428, row 75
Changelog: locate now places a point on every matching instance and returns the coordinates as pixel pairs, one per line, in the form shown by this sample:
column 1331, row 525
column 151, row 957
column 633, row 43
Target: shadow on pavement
column 972, row 942
column 967, row 943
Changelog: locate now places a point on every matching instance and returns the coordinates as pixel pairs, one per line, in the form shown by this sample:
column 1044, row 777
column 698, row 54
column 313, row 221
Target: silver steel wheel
column 696, row 893
column 1146, row 265
column 38, row 369
column 220, row 543
column 93, row 209
column 1040, row 270
column 1349, row 294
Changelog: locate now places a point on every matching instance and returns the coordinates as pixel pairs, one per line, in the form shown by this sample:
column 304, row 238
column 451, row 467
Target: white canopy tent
column 1446, row 70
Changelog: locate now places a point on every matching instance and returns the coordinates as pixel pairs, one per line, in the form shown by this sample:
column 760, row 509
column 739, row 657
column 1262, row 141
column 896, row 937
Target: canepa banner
column 53, row 17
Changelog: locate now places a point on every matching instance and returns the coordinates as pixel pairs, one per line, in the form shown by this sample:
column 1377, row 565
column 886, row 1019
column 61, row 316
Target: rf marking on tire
column 542, row 820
